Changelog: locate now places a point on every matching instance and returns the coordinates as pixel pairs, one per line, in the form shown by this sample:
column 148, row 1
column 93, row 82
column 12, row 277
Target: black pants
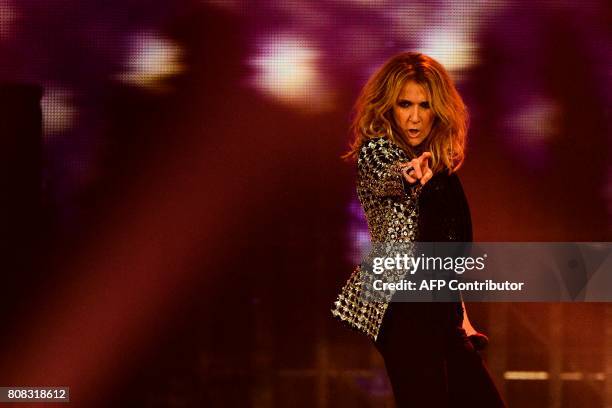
column 429, row 359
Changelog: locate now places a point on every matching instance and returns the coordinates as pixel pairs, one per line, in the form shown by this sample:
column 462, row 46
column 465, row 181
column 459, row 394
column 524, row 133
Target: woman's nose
column 414, row 114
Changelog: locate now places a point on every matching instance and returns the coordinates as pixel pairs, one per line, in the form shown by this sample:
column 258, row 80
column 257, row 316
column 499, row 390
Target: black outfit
column 429, row 359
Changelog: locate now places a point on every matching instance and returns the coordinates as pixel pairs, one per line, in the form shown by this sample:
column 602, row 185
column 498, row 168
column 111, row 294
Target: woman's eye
column 407, row 104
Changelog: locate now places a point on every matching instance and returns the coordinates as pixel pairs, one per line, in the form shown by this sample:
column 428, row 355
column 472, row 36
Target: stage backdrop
column 178, row 218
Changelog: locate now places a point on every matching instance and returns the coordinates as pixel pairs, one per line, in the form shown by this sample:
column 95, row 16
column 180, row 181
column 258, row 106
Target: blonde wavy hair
column 373, row 111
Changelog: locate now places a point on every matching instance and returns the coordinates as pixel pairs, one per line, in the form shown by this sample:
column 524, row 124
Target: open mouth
column 413, row 132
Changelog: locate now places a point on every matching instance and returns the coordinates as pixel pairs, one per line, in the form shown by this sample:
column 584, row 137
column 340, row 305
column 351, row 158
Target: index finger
column 417, row 169
column 423, row 160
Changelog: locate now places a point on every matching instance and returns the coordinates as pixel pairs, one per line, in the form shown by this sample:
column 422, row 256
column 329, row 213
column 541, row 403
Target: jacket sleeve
column 378, row 165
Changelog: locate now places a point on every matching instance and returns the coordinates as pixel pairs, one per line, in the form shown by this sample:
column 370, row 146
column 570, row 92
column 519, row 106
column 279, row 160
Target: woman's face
column 413, row 114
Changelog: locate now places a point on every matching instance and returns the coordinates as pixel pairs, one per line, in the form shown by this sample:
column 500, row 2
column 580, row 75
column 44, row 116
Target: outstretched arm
column 386, row 169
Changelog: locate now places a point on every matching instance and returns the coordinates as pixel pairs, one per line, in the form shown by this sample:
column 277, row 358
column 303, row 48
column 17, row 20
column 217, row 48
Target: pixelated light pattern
column 58, row 110
column 363, row 3
column 359, row 236
column 535, row 122
column 529, row 127
column 234, row 6
column 291, row 67
column 408, row 21
column 286, row 69
column 453, row 49
column 8, row 19
column 151, row 60
column 449, row 34
column 526, row 375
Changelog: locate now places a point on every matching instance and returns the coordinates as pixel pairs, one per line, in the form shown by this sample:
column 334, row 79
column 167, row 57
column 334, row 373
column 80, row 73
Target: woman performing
column 410, row 129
